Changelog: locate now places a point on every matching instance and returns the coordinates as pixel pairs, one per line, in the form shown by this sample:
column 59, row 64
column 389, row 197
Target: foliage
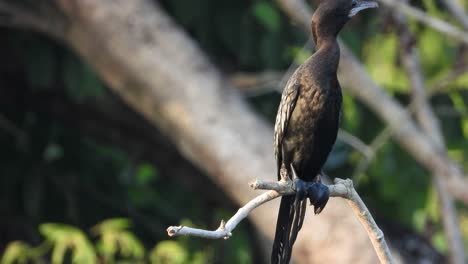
column 21, row 252
column 267, row 15
column 114, row 244
column 65, row 237
column 381, row 56
column 115, row 238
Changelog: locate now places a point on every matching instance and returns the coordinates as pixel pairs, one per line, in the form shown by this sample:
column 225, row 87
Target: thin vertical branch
column 457, row 11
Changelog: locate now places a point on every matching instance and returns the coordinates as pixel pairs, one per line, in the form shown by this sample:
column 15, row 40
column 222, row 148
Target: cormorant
column 307, row 122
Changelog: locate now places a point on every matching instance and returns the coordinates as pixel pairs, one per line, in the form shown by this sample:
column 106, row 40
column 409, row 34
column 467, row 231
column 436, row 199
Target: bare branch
column 441, row 85
column 13, row 15
column 380, row 140
column 356, row 143
column 457, row 10
column 299, row 11
column 277, row 189
column 360, row 210
column 225, row 229
column 340, row 188
column 255, row 84
column 430, row 21
column 450, row 221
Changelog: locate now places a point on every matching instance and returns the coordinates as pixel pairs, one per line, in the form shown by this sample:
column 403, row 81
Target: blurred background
column 87, row 176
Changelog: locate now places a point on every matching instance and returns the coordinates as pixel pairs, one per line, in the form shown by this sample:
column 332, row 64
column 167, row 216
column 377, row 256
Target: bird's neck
column 329, row 50
column 326, row 42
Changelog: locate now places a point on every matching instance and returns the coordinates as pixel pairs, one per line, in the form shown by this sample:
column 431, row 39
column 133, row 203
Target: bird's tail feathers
column 290, row 220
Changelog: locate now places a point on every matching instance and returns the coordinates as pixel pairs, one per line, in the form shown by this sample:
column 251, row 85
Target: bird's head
column 332, row 15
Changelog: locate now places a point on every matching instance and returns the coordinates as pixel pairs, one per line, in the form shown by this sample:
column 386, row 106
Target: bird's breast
column 313, row 128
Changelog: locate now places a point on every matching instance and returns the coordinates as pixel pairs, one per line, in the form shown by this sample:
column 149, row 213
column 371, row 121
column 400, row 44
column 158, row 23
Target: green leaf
column 464, row 226
column 381, row 57
column 299, row 54
column 83, row 251
column 16, row 252
column 351, row 116
column 461, row 81
column 439, row 242
column 130, row 245
column 419, row 219
column 58, row 253
column 437, row 54
column 145, row 173
column 169, row 252
column 432, row 8
column 115, row 238
column 267, row 15
column 200, row 257
column 66, row 237
column 432, row 205
column 109, row 225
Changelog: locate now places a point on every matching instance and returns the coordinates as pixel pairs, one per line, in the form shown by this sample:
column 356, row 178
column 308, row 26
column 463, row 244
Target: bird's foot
column 317, row 193
column 301, row 188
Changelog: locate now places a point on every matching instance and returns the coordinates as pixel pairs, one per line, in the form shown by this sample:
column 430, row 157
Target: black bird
column 307, row 122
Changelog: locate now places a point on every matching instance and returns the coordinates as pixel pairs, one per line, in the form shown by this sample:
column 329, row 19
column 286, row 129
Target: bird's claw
column 317, row 193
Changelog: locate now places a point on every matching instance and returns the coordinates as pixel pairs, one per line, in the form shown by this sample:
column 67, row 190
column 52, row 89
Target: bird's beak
column 361, row 5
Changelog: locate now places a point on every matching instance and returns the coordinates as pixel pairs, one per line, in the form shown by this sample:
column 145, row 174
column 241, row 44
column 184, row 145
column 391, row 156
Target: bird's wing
column 285, row 109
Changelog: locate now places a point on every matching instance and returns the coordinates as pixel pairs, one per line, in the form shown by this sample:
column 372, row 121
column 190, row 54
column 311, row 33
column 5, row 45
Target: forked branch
column 340, row 188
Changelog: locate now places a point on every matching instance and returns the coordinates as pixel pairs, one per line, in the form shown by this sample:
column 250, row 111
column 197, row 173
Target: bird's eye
column 354, row 3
